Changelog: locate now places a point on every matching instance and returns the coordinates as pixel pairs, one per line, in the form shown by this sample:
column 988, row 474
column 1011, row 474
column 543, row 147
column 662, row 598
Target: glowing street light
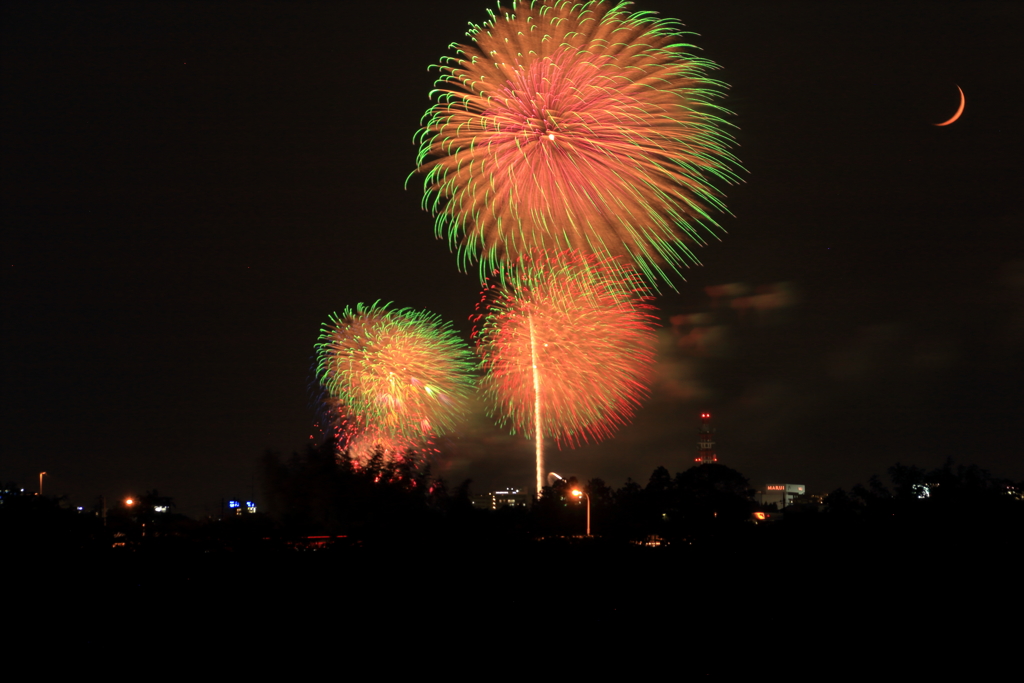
column 41, row 475
column 578, row 493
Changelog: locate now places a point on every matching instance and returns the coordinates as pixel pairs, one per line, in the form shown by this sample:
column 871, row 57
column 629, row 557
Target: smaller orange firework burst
column 568, row 347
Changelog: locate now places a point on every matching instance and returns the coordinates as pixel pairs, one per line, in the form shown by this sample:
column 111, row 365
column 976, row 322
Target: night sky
column 190, row 189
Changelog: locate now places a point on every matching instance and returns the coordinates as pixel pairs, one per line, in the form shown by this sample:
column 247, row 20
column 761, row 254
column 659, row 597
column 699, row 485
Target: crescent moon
column 958, row 111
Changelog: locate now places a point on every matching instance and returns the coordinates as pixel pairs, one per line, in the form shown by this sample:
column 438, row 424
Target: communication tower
column 705, row 441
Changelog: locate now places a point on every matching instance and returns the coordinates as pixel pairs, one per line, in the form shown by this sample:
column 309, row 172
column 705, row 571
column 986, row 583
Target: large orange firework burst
column 398, row 375
column 568, row 348
column 576, row 125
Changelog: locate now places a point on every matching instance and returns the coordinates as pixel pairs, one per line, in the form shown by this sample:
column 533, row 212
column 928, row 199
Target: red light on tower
column 705, row 441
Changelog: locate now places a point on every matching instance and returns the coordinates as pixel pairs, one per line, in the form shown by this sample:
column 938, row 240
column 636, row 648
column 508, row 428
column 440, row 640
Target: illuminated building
column 782, row 494
column 510, row 497
column 7, row 493
column 238, row 507
column 705, row 442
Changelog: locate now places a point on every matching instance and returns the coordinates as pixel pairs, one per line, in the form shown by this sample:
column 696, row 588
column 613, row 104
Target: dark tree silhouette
column 714, row 492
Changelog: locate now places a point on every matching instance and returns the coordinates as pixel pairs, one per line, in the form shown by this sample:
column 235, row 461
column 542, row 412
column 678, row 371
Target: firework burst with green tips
column 580, row 126
column 398, row 374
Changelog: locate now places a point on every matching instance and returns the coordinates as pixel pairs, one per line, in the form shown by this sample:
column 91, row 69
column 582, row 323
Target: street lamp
column 578, row 493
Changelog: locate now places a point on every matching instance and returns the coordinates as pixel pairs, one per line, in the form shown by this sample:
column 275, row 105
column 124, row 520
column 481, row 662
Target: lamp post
column 578, row 493
column 41, row 475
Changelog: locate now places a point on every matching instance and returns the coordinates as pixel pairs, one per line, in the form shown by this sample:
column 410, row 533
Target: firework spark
column 567, row 348
column 400, row 375
column 575, row 125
